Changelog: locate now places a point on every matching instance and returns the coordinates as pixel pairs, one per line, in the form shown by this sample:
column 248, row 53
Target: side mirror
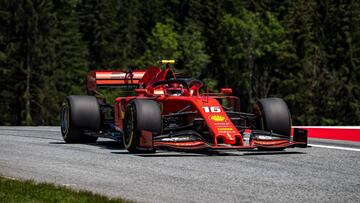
column 226, row 91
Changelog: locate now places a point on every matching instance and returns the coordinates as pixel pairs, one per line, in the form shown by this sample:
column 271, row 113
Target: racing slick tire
column 79, row 113
column 273, row 115
column 140, row 115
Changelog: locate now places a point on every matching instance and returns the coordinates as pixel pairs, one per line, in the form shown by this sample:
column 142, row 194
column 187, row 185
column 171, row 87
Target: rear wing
column 112, row 78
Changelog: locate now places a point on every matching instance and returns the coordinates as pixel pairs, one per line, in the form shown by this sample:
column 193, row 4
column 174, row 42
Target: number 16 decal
column 212, row 109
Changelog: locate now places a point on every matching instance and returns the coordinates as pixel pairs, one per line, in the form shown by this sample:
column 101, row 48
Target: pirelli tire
column 140, row 114
column 79, row 113
column 273, row 115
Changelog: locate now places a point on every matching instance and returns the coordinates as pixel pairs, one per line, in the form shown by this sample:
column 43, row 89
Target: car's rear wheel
column 273, row 115
column 140, row 115
column 79, row 113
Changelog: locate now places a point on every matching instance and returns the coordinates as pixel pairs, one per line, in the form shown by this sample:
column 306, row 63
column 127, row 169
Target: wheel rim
column 65, row 120
column 129, row 127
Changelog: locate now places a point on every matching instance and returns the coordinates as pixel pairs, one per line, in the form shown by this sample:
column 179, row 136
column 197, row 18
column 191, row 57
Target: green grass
column 14, row 191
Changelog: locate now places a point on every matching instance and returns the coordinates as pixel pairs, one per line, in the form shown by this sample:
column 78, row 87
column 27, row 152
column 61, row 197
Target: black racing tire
column 79, row 113
column 140, row 115
column 273, row 115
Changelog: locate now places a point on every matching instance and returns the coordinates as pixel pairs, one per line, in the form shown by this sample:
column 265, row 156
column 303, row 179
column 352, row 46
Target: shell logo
column 217, row 118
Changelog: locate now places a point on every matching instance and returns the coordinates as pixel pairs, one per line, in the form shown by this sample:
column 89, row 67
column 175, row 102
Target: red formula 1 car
column 163, row 111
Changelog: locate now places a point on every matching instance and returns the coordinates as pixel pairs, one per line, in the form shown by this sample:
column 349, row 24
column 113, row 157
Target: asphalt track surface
column 314, row 174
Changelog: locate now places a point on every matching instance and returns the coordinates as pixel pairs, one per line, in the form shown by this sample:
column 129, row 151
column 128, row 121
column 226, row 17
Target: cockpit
column 179, row 87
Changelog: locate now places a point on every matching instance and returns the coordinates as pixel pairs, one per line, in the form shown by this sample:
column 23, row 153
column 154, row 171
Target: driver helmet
column 174, row 89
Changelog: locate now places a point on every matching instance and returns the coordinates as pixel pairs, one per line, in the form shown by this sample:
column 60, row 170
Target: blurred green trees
column 307, row 52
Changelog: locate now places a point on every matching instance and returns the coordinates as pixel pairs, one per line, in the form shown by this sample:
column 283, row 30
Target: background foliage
column 307, row 52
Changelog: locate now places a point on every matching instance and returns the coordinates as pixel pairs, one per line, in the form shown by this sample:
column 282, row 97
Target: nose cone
column 228, row 138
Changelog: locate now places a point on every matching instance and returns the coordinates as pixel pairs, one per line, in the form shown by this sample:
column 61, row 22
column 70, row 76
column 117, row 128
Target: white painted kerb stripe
column 333, row 147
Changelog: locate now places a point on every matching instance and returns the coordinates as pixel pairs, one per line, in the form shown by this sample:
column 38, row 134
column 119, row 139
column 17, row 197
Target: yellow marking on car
column 217, row 118
column 170, row 61
column 225, row 129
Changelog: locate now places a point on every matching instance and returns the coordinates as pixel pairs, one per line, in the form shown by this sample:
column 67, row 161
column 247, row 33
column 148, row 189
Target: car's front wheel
column 273, row 115
column 140, row 115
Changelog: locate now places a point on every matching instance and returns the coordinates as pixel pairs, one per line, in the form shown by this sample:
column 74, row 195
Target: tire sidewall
column 65, row 119
column 130, row 135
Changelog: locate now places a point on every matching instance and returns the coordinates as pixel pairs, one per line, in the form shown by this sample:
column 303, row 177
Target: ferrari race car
column 163, row 111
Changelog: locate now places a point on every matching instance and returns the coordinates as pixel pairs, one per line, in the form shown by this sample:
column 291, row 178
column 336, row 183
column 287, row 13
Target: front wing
column 299, row 139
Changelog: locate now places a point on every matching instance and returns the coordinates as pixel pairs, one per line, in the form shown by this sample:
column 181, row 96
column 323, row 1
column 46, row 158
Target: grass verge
column 14, row 191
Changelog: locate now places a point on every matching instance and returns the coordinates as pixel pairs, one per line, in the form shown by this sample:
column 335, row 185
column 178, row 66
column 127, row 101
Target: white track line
column 333, row 147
